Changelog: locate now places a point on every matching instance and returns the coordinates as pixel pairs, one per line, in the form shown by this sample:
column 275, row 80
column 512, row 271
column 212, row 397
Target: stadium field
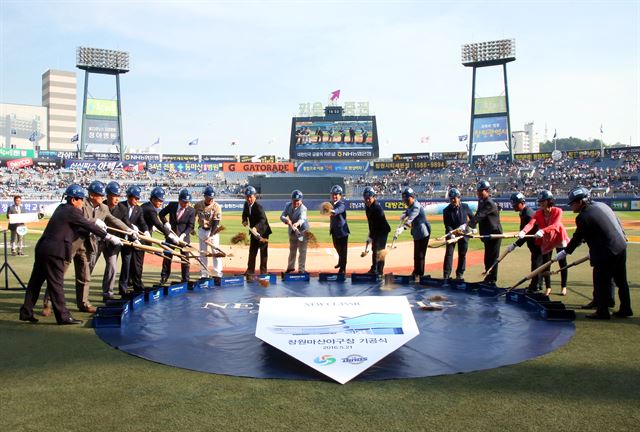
column 66, row 379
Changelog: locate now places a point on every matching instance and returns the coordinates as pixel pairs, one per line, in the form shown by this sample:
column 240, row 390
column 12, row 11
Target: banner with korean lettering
column 16, row 153
column 257, row 167
column 490, row 129
column 413, row 165
column 333, row 167
column 154, row 166
column 340, row 337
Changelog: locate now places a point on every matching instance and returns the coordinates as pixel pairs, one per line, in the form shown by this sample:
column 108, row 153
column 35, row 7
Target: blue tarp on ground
column 214, row 331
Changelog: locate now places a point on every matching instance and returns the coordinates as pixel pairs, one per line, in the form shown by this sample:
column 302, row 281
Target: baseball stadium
column 330, row 288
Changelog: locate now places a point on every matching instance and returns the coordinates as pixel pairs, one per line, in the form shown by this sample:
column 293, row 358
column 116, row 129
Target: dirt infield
column 323, row 258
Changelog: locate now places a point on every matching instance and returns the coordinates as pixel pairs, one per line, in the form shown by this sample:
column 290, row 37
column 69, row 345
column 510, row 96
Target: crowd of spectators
column 614, row 176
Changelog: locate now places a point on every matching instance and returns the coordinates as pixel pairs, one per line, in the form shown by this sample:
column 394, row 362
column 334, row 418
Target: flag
column 335, row 95
column 601, row 128
column 463, row 137
column 194, row 142
column 33, row 137
column 75, row 138
column 555, row 133
column 156, row 142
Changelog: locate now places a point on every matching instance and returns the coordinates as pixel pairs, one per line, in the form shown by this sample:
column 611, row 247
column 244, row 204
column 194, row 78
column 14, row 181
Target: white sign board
column 339, row 337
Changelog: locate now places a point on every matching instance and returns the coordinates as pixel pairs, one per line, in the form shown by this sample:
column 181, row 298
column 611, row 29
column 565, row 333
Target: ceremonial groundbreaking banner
column 339, row 337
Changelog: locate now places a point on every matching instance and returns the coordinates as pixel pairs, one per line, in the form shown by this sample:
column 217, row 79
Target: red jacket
column 555, row 234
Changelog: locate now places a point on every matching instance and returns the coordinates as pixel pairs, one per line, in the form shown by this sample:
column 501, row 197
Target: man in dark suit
column 182, row 220
column 598, row 226
column 86, row 245
column 253, row 215
column 454, row 215
column 151, row 219
column 17, row 240
column 131, row 214
column 378, row 229
column 54, row 250
column 526, row 214
column 338, row 227
column 487, row 218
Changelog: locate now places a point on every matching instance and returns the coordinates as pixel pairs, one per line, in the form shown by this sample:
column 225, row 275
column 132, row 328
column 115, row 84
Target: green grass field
column 65, row 379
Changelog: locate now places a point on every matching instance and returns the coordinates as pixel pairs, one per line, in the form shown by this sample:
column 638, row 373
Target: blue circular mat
column 213, row 331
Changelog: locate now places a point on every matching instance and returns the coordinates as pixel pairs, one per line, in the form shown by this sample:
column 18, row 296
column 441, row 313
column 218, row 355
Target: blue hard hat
column 454, row 193
column 408, row 192
column 578, row 194
column 74, row 191
column 157, row 193
column 368, row 192
column 483, row 185
column 544, row 195
column 97, row 187
column 113, row 188
column 337, row 189
column 134, row 191
column 249, row 191
column 209, row 192
column 296, row 195
column 184, row 195
column 517, row 197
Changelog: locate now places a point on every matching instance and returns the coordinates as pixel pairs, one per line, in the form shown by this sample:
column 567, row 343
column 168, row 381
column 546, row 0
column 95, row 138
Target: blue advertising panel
column 489, row 129
column 335, row 167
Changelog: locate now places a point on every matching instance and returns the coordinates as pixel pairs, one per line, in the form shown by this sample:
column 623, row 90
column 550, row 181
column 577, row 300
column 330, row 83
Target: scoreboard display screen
column 349, row 137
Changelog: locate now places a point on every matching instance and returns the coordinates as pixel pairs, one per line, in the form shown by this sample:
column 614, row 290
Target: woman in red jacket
column 551, row 235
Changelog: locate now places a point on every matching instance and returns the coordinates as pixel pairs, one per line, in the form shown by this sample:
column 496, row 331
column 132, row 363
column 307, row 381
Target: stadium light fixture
column 489, row 53
column 102, row 60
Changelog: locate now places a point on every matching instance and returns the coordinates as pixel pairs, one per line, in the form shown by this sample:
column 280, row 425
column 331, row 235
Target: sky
column 236, row 71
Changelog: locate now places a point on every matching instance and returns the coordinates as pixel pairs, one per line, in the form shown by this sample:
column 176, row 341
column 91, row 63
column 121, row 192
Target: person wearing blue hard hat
column 53, row 252
column 599, row 227
column 454, row 215
column 109, row 251
column 338, row 227
column 181, row 222
column 150, row 211
column 132, row 258
column 254, row 216
column 294, row 216
column 487, row 218
column 378, row 229
column 85, row 247
column 416, row 218
column 208, row 218
column 528, row 226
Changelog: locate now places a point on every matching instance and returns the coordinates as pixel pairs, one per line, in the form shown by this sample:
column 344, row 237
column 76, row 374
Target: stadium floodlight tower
column 483, row 54
column 106, row 62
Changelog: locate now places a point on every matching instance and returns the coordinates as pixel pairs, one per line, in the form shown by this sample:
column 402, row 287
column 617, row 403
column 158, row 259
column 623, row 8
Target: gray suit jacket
column 101, row 212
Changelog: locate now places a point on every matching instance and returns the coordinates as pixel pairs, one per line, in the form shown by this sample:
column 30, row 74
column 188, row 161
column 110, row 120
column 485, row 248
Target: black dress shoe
column 336, row 266
column 30, row 319
column 108, row 297
column 597, row 316
column 70, row 321
column 590, row 305
column 163, row 280
column 623, row 314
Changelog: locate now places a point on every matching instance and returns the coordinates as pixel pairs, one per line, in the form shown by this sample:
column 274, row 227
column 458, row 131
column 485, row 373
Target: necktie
column 180, row 213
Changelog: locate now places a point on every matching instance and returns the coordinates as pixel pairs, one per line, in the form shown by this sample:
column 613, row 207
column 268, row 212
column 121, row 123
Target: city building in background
column 22, row 127
column 527, row 140
column 59, row 99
